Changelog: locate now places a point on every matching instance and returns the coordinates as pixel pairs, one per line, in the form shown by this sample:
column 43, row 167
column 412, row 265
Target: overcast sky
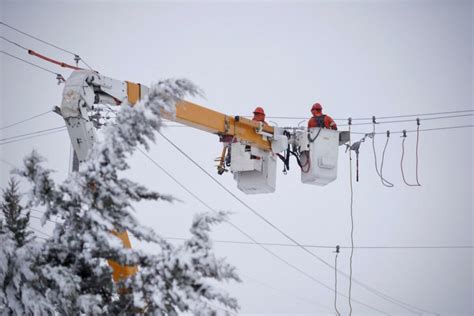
column 358, row 59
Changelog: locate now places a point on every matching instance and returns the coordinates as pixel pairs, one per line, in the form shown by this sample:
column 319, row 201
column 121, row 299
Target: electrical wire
column 33, row 136
column 76, row 56
column 13, row 43
column 266, row 249
column 25, row 120
column 58, row 75
column 335, row 282
column 370, row 118
column 401, row 162
column 412, row 120
column 7, row 163
column 352, row 220
column 32, row 133
column 420, row 130
column 285, row 292
column 272, row 225
column 238, row 242
column 386, row 183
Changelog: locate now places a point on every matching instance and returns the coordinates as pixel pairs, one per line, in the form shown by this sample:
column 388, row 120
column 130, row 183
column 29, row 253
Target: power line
column 25, row 120
column 76, row 56
column 384, row 296
column 370, row 118
column 33, row 136
column 285, row 292
column 39, row 231
column 7, row 163
column 58, row 75
column 414, row 131
column 412, row 120
column 13, row 43
column 352, row 222
column 33, row 133
column 286, row 262
column 238, row 242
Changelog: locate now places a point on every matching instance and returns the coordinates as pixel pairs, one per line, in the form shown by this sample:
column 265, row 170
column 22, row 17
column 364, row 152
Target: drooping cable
column 385, row 297
column 372, row 135
column 352, row 217
column 59, row 77
column 335, row 281
column 417, row 145
column 77, row 58
column 404, row 136
column 286, row 262
column 25, row 120
column 384, row 181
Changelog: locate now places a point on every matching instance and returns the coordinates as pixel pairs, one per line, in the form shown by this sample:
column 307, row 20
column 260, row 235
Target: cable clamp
column 388, row 133
column 404, row 133
column 77, row 59
column 337, row 249
column 374, row 120
column 60, row 79
column 349, row 121
column 418, row 121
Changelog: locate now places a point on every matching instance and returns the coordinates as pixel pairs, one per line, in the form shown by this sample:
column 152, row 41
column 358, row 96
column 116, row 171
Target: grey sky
column 358, row 59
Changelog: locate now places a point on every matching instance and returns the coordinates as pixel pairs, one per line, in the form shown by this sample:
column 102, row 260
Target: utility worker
column 319, row 119
column 259, row 115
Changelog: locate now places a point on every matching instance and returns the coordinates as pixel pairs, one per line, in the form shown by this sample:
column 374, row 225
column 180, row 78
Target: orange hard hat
column 259, row 110
column 316, row 107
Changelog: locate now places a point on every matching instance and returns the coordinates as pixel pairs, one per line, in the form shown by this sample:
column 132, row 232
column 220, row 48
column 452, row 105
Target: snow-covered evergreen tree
column 96, row 201
column 21, row 289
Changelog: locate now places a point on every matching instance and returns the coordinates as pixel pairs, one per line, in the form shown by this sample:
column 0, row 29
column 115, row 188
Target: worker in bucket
column 319, row 119
column 259, row 115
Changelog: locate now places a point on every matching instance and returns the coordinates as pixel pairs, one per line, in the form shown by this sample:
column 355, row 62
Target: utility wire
column 284, row 292
column 387, row 184
column 286, row 262
column 58, row 75
column 420, row 130
column 335, row 282
column 25, row 120
column 370, row 118
column 401, row 159
column 76, row 56
column 7, row 163
column 271, row 224
column 384, row 182
column 39, row 231
column 352, row 220
column 33, row 136
column 238, row 242
column 32, row 133
column 413, row 120
column 13, row 43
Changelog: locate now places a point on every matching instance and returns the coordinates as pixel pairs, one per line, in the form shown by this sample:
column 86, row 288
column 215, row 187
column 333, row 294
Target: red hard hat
column 316, row 107
column 259, row 110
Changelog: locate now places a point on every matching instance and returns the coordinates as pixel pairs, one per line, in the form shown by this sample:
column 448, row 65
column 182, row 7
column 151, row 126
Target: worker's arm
column 332, row 124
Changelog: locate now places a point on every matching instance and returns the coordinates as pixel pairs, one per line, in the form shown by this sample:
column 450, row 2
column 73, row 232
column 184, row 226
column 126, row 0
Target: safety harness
column 320, row 120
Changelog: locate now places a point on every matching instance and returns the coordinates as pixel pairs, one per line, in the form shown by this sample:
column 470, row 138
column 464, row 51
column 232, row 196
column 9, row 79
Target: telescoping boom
column 251, row 149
